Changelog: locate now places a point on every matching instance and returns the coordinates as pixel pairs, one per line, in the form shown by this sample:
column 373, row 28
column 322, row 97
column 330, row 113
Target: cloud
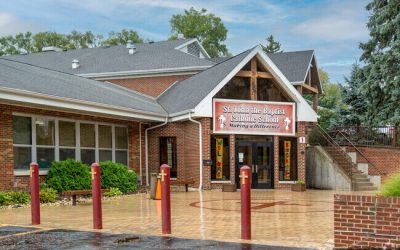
column 335, row 22
column 10, row 25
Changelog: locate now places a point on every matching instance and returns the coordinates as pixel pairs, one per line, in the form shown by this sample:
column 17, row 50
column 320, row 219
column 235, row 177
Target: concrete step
column 362, row 184
column 366, row 188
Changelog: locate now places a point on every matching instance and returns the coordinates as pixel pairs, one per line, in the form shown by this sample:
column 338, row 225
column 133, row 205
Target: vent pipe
column 75, row 64
column 131, row 47
column 180, row 36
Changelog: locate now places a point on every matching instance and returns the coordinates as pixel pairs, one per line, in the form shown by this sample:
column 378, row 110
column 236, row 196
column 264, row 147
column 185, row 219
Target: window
column 288, row 159
column 220, row 168
column 121, row 145
column 88, row 143
column 22, row 141
column 236, row 88
column 168, row 154
column 44, row 140
column 67, row 135
column 105, row 143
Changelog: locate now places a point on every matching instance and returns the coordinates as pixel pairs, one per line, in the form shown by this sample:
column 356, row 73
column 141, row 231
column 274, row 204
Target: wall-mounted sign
column 287, row 145
column 302, row 139
column 220, row 157
column 253, row 117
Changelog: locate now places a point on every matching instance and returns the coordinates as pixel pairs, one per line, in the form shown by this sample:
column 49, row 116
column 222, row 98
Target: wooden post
column 315, row 102
column 253, row 79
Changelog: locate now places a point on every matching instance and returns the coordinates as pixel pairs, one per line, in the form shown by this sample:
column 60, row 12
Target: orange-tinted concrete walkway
column 278, row 217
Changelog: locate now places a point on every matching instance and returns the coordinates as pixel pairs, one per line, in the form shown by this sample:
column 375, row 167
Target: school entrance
column 258, row 155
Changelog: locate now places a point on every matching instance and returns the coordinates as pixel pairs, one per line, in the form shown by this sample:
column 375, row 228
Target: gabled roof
column 21, row 77
column 294, row 65
column 195, row 94
column 149, row 56
column 187, row 94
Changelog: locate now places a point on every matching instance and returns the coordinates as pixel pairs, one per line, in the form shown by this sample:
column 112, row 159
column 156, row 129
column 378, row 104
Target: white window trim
column 77, row 147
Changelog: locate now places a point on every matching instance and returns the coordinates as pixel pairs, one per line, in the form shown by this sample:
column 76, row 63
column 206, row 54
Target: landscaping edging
column 362, row 221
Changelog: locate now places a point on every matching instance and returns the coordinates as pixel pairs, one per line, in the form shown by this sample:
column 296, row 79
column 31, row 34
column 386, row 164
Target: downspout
column 140, row 153
column 200, row 150
column 147, row 147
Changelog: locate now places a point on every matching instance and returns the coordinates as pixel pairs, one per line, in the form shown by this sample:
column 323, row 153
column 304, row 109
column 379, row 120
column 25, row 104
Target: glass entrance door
column 258, row 156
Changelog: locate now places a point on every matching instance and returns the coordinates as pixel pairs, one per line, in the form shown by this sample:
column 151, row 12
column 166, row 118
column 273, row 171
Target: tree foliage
column 329, row 102
column 29, row 43
column 272, row 46
column 206, row 27
column 381, row 55
column 116, row 38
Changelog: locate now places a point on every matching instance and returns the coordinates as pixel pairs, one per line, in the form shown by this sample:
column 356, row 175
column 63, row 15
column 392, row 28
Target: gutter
column 144, row 72
column 147, row 147
column 200, row 150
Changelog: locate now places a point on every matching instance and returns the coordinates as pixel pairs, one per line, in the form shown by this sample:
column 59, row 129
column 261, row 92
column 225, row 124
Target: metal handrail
column 338, row 148
column 361, row 153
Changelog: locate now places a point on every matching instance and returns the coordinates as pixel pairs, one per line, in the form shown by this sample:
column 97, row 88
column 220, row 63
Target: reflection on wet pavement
column 69, row 239
column 278, row 217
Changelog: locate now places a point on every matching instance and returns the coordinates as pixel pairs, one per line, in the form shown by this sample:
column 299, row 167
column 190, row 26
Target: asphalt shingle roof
column 293, row 65
column 188, row 93
column 148, row 56
column 21, row 76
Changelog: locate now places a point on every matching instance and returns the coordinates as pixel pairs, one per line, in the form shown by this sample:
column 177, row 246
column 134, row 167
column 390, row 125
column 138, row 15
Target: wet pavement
column 279, row 218
column 36, row 238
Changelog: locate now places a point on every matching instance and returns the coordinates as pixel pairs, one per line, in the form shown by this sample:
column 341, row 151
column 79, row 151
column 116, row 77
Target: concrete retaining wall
column 323, row 173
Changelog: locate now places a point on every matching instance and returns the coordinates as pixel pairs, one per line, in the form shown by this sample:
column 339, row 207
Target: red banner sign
column 253, row 117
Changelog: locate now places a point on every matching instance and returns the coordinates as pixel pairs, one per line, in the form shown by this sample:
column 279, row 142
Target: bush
column 19, row 197
column 48, row 195
column 113, row 192
column 116, row 175
column 4, row 198
column 69, row 175
column 391, row 186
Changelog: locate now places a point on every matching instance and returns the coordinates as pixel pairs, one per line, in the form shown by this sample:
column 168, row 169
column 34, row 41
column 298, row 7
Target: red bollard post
column 35, row 200
column 165, row 199
column 245, row 183
column 96, row 197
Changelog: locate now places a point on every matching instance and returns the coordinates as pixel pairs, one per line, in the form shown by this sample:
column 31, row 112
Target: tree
column 118, row 38
column 206, row 27
column 356, row 102
column 49, row 38
column 272, row 46
column 77, row 40
column 329, row 103
column 381, row 55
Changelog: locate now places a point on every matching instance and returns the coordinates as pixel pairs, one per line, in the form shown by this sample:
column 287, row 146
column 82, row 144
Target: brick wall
column 7, row 179
column 152, row 86
column 366, row 221
column 385, row 160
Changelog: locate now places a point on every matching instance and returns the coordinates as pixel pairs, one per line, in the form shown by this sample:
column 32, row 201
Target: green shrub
column 113, row 192
column 4, row 198
column 48, row 195
column 391, row 186
column 69, row 175
column 19, row 197
column 118, row 176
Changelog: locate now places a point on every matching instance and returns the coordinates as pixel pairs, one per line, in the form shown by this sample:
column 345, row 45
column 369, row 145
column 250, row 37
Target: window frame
column 57, row 145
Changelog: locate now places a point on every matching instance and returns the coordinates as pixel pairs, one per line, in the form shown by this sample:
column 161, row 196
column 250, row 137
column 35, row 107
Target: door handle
column 252, row 168
column 257, row 169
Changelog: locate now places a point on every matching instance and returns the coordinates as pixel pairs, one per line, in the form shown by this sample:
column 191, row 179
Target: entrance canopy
column 195, row 94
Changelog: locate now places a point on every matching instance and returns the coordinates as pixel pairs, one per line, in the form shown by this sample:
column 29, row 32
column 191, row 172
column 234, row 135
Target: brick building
column 159, row 102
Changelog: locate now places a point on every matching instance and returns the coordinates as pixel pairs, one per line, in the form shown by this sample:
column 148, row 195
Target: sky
column 333, row 28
